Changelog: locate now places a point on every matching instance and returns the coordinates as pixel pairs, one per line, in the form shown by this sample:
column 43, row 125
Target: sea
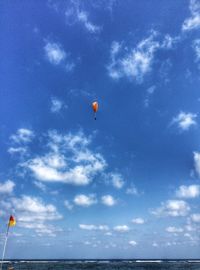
column 102, row 265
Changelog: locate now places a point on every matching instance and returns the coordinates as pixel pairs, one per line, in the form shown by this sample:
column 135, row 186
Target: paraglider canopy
column 95, row 107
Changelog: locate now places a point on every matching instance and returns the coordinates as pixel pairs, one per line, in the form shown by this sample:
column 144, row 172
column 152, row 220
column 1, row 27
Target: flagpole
column 4, row 248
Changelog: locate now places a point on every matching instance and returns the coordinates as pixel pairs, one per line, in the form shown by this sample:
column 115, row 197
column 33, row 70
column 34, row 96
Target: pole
column 4, row 248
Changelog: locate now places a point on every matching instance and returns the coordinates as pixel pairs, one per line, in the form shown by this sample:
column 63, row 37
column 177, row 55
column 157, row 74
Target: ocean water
column 103, row 265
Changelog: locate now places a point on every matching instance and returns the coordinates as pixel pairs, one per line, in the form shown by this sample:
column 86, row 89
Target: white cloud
column 69, row 66
column 68, row 205
column 195, row 217
column 32, row 213
column 138, row 62
column 75, row 15
column 35, row 206
column 197, row 163
column 155, row 244
column 23, row 135
column 192, row 238
column 168, row 42
column 7, row 187
column 196, row 47
column 150, row 91
column 135, row 64
column 108, row 200
column 54, row 53
column 132, row 190
column 117, row 180
column 40, row 185
column 17, row 150
column 115, row 48
column 42, row 229
column 190, row 227
column 172, row 208
column 108, row 234
column 187, row 235
column 87, row 243
column 85, row 201
column 132, row 243
column 20, row 141
column 192, row 22
column 174, row 229
column 82, row 16
column 69, row 160
column 103, row 228
column 121, row 228
column 191, row 191
column 138, row 221
column 185, row 120
column 56, row 105
column 91, row 227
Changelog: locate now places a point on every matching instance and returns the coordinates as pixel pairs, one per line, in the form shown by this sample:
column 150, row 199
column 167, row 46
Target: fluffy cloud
column 54, row 53
column 17, row 150
column 42, row 229
column 154, row 244
column 117, row 180
column 20, row 141
column 76, row 15
column 108, row 200
column 32, row 213
column 191, row 191
column 33, row 209
column 88, row 227
column 69, row 160
column 108, row 234
column 22, row 136
column 40, row 185
column 172, row 208
column 192, row 22
column 83, row 200
column 168, row 42
column 190, row 227
column 150, row 91
column 136, row 63
column 132, row 243
column 68, row 205
column 196, row 47
column 56, row 105
column 174, row 230
column 195, row 217
column 82, row 16
column 121, row 228
column 138, row 221
column 7, row 187
column 185, row 120
column 132, row 190
column 197, row 163
column 91, row 227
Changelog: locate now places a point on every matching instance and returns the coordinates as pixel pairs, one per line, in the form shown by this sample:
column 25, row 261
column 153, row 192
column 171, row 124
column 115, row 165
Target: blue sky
column 123, row 186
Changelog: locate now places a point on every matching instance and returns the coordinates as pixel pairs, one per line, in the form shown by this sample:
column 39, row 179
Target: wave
column 148, row 261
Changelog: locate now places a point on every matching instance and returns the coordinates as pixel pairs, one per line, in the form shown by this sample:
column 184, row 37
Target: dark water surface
column 103, row 265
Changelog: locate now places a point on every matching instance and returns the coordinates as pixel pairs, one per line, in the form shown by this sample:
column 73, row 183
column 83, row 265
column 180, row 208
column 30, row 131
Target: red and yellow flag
column 12, row 221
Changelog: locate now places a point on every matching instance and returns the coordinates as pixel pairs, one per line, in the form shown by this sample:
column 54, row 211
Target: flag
column 12, row 221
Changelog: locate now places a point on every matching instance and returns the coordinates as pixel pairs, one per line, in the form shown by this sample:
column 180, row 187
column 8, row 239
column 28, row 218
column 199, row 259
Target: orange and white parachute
column 95, row 107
